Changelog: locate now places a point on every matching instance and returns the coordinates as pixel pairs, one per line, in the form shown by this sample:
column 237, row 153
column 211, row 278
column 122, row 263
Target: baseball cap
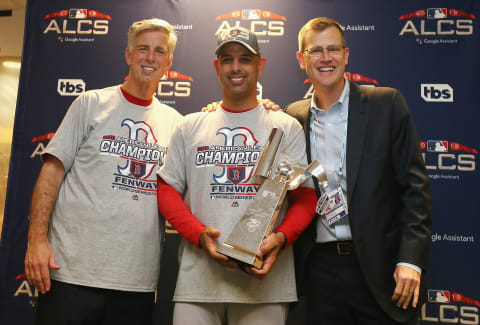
column 240, row 35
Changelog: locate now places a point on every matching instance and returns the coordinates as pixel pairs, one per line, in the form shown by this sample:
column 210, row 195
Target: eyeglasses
column 317, row 51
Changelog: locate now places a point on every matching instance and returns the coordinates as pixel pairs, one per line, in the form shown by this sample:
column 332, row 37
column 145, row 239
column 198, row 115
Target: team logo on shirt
column 233, row 163
column 140, row 155
column 137, row 169
column 236, row 174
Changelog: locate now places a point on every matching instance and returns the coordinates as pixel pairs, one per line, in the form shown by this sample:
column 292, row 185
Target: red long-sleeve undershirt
column 299, row 214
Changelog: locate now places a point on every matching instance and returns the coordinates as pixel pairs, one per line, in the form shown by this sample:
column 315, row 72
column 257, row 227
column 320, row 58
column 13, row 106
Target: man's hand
column 212, row 107
column 268, row 251
column 209, row 243
column 39, row 259
column 267, row 104
column 408, row 286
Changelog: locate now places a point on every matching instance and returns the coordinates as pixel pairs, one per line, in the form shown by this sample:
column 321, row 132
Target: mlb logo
column 437, row 13
column 77, row 13
column 236, row 174
column 137, row 169
column 439, row 296
column 239, row 33
column 250, row 14
column 437, row 146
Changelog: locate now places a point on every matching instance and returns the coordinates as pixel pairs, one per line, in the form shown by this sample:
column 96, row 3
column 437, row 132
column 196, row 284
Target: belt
column 338, row 247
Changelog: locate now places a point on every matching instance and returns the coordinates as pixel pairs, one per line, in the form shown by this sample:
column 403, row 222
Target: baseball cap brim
column 219, row 47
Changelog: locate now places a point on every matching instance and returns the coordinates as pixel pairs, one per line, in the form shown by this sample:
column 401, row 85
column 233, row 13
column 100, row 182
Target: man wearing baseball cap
column 206, row 185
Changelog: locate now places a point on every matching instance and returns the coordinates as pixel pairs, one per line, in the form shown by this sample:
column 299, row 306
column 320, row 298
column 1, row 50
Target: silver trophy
column 261, row 215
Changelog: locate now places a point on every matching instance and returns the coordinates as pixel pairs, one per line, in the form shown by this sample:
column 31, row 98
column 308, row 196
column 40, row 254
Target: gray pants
column 186, row 313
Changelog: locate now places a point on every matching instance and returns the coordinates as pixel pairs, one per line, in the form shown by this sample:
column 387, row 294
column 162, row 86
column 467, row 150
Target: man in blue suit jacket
column 368, row 267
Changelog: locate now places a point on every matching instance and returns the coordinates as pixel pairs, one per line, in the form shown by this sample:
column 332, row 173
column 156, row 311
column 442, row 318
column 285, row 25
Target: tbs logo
column 437, row 93
column 70, row 87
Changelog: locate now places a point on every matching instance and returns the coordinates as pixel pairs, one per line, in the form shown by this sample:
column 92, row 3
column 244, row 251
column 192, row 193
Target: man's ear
column 300, row 60
column 127, row 56
column 261, row 66
column 215, row 64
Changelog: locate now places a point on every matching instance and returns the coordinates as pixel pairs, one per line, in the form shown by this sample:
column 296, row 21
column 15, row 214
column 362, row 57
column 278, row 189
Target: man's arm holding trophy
column 254, row 243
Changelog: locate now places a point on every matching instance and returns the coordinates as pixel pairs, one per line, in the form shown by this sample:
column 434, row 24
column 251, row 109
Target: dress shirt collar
column 341, row 100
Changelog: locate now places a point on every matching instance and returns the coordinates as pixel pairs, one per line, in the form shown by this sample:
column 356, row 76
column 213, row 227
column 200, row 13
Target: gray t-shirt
column 211, row 160
column 105, row 229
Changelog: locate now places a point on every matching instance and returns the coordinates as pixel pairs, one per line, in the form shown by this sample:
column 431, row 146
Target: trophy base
column 242, row 256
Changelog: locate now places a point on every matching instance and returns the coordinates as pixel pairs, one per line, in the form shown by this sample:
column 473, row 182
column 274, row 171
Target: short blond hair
column 148, row 25
column 318, row 24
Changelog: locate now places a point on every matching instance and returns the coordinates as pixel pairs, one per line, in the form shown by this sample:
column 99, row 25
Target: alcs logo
column 437, row 22
column 441, row 156
column 441, row 309
column 168, row 87
column 40, row 147
column 77, row 22
column 70, row 87
column 26, row 289
column 260, row 22
column 437, row 92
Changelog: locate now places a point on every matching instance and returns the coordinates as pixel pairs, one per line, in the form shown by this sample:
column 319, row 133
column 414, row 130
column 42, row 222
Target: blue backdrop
column 427, row 49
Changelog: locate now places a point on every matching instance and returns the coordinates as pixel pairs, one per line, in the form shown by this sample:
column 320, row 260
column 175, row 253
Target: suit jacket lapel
column 303, row 116
column 306, row 127
column 357, row 123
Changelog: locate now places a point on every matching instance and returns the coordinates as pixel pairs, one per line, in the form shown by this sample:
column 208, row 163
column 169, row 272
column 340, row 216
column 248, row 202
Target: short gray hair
column 148, row 25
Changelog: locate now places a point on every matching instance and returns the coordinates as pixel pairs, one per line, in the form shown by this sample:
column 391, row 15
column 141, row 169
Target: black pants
column 337, row 292
column 68, row 304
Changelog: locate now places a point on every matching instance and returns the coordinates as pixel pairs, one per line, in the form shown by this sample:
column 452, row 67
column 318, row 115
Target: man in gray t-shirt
column 206, row 185
column 95, row 233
